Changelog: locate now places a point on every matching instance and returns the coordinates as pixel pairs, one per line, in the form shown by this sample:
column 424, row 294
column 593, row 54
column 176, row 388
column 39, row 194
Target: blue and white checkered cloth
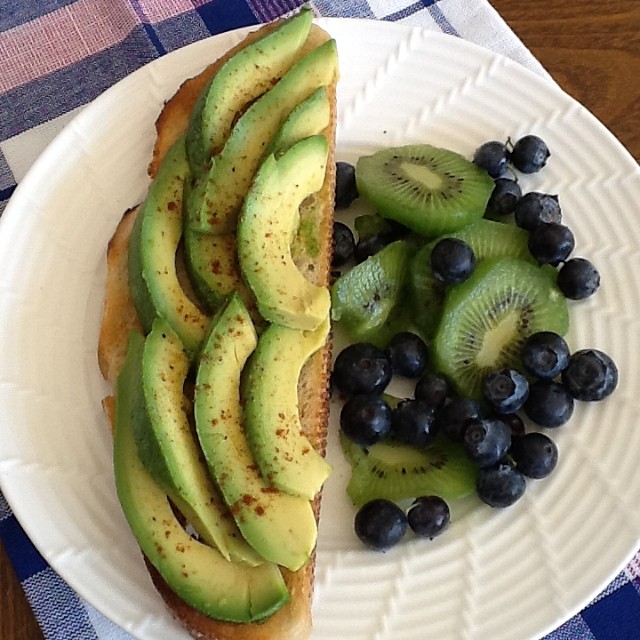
column 48, row 46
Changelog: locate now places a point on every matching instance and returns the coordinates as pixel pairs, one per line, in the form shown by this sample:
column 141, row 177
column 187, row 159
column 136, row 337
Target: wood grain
column 592, row 49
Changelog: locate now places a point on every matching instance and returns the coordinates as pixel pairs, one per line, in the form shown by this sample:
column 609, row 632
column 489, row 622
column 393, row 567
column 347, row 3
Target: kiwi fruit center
column 423, row 175
column 496, row 338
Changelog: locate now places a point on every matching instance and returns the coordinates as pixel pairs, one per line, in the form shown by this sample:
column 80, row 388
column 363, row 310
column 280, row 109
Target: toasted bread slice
column 293, row 621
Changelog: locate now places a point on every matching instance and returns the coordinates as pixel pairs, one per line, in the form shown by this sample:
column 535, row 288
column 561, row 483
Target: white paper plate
column 509, row 574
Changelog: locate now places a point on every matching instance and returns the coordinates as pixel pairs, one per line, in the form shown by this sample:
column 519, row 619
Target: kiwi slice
column 426, row 293
column 491, row 239
column 399, row 472
column 487, row 238
column 429, row 190
column 486, row 318
column 364, row 298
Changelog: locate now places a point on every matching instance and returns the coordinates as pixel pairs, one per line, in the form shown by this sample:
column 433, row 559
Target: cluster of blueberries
column 550, row 241
column 491, row 432
column 362, row 372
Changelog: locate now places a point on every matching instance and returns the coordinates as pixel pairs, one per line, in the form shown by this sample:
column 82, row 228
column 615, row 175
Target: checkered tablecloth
column 58, row 55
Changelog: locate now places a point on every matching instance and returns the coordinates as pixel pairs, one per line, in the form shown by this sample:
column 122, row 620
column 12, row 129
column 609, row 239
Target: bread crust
column 293, row 621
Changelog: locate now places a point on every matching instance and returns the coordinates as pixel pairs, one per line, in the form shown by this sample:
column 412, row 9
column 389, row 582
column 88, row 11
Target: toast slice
column 293, row 621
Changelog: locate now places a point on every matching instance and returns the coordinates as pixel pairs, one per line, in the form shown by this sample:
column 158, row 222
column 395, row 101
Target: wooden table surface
column 592, row 49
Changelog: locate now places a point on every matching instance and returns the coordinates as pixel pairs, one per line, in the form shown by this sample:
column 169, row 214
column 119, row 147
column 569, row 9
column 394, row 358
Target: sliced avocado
column 311, row 117
column 281, row 527
column 168, row 448
column 215, row 199
column 241, row 79
column 212, row 260
column 271, row 413
column 266, row 227
column 155, row 287
column 213, row 267
column 198, row 573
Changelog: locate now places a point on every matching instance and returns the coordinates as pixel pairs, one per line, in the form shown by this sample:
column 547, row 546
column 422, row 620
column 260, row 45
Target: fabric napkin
column 57, row 55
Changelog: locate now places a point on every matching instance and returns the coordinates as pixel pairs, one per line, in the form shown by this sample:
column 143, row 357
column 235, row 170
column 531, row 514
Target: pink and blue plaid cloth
column 58, row 55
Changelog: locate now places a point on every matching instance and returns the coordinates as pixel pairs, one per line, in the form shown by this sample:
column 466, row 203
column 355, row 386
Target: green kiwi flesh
column 486, row 318
column 364, row 298
column 399, row 472
column 487, row 238
column 429, row 190
column 370, row 225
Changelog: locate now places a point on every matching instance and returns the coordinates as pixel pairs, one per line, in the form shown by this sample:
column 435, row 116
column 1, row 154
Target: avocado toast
column 184, row 312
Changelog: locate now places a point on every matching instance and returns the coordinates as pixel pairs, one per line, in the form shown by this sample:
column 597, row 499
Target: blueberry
column 493, row 157
column 453, row 417
column 486, row 441
column 535, row 455
column 408, row 354
column 551, row 243
column 534, row 208
column 591, row 375
column 368, row 247
column 429, row 516
column 433, row 389
column 501, row 485
column 505, row 390
column 413, row 422
column 549, row 403
column 529, row 154
column 343, row 244
column 544, row 354
column 396, row 231
column 346, row 189
column 514, row 422
column 452, row 260
column 504, row 197
column 362, row 368
column 380, row 524
column 365, row 419
column 578, row 279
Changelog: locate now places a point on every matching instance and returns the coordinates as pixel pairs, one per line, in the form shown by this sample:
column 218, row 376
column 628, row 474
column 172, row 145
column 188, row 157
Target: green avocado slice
column 155, row 287
column 281, row 527
column 211, row 259
column 198, row 573
column 272, row 420
column 215, row 198
column 268, row 222
column 243, row 78
column 213, row 268
column 168, row 448
column 310, row 118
